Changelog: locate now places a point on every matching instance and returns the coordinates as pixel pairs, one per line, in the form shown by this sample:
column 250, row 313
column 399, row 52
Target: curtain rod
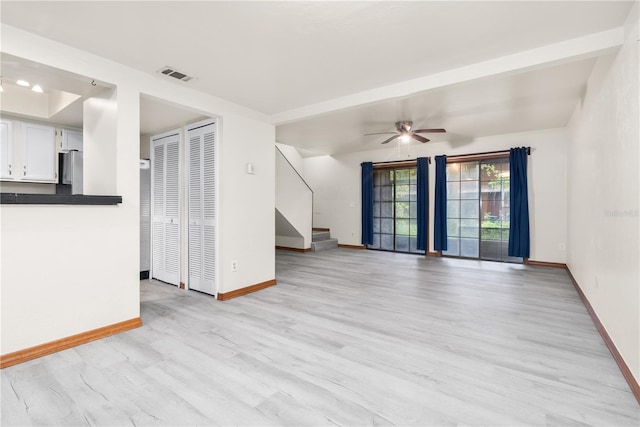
column 486, row 153
column 399, row 161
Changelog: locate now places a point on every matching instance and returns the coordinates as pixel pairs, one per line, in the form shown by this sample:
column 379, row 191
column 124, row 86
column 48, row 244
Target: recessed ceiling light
column 23, row 83
column 36, row 88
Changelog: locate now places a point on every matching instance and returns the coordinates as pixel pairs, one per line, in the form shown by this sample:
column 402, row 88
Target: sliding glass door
column 478, row 210
column 395, row 223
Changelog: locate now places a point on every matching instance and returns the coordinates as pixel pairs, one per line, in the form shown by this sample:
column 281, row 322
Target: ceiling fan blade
column 390, row 139
column 380, row 133
column 419, row 138
column 430, row 130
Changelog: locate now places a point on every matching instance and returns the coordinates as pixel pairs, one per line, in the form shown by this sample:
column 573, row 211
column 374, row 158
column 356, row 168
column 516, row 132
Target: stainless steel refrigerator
column 72, row 163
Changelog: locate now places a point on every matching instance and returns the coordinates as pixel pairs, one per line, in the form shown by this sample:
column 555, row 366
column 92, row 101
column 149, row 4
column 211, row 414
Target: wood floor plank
column 345, row 338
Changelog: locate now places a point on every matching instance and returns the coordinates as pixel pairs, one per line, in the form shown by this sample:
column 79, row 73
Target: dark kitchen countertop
column 57, row 199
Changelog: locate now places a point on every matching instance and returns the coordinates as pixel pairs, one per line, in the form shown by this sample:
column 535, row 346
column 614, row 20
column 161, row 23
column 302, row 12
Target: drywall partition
column 100, row 116
column 603, row 193
column 247, row 203
column 336, row 184
column 70, row 269
column 286, row 234
column 293, row 156
column 294, row 201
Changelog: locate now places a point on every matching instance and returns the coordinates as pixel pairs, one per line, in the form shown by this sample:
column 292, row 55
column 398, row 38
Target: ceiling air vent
column 172, row 72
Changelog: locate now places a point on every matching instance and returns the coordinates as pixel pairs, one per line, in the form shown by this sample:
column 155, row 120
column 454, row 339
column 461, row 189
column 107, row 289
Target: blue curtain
column 440, row 217
column 423, row 203
column 367, row 203
column 519, row 204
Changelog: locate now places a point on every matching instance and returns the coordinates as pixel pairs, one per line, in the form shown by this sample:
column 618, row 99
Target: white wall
column 294, row 157
column 336, row 183
column 99, row 133
column 69, row 269
column 145, row 146
column 247, row 202
column 603, row 183
column 294, row 201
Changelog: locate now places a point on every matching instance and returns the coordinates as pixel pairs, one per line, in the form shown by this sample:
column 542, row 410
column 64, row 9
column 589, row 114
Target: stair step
column 324, row 245
column 318, row 236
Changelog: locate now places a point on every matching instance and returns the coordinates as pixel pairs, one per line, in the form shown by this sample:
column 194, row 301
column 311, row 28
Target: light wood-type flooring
column 347, row 337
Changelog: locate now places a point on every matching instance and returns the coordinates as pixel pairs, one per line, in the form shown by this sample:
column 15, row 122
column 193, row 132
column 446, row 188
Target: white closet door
column 145, row 215
column 202, row 208
column 209, row 206
column 165, row 236
column 195, row 212
column 172, row 212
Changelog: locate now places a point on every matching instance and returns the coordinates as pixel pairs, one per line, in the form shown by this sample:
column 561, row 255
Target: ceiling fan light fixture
column 405, row 133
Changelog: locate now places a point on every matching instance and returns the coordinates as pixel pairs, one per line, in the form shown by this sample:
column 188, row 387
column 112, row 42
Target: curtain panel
column 367, row 203
column 440, row 207
column 519, row 244
column 423, row 203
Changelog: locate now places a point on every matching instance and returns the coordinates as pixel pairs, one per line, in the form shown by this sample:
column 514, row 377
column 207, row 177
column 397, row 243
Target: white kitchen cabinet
column 6, row 150
column 70, row 140
column 38, row 153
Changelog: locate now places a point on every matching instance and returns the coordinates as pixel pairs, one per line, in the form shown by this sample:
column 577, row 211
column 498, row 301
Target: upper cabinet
column 28, row 152
column 70, row 140
column 38, row 153
column 6, row 149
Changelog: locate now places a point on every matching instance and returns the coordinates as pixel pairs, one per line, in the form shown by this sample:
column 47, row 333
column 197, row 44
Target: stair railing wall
column 294, row 197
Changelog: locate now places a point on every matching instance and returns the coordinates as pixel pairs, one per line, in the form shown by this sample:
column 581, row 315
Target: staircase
column 321, row 240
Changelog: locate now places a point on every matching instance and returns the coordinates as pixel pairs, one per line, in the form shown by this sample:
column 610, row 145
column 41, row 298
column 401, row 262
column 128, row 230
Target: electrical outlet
column 597, row 282
column 234, row 265
column 561, row 246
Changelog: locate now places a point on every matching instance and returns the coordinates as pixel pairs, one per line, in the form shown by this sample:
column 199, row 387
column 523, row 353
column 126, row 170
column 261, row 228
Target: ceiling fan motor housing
column 404, row 126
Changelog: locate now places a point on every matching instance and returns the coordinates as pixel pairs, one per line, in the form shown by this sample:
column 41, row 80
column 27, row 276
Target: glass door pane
column 395, row 226
column 463, row 210
column 478, row 210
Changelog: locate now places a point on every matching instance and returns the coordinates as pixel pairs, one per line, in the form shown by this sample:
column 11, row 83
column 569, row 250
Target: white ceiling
column 539, row 99
column 157, row 116
column 51, row 79
column 282, row 57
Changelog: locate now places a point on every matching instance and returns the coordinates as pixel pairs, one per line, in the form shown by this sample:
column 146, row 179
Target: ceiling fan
column 405, row 131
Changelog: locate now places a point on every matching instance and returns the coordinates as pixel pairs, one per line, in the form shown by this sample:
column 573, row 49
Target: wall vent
column 172, row 72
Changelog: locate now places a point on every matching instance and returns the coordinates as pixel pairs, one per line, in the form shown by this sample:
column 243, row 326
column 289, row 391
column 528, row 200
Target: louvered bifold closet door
column 172, row 212
column 145, row 215
column 202, row 208
column 157, row 237
column 165, row 161
column 209, row 208
column 195, row 212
